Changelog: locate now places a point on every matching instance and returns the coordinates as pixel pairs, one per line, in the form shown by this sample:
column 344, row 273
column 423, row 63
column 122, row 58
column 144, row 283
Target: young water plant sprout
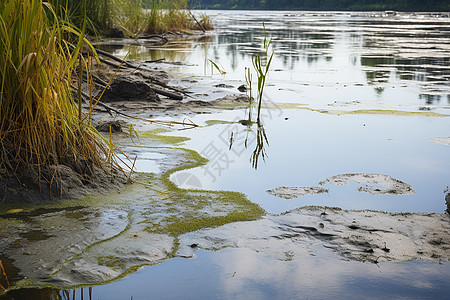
column 261, row 64
column 216, row 66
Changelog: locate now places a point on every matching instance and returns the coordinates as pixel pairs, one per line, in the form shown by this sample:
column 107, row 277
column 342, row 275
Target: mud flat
column 370, row 183
column 366, row 236
column 99, row 239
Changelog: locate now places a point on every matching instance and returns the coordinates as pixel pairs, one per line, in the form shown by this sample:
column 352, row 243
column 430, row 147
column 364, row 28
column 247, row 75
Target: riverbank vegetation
column 132, row 17
column 43, row 59
column 377, row 5
column 40, row 124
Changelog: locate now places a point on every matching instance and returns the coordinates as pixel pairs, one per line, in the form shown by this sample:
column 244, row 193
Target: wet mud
column 375, row 184
column 366, row 236
column 99, row 239
column 102, row 238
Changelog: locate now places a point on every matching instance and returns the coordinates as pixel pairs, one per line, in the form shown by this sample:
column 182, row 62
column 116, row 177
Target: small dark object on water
column 245, row 122
column 286, row 119
column 223, row 85
column 447, row 202
column 242, row 88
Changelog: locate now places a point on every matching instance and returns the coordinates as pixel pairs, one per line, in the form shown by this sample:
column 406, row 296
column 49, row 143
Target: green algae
column 157, row 207
column 288, row 105
column 110, row 261
column 386, row 112
column 235, row 206
column 155, row 134
column 216, row 122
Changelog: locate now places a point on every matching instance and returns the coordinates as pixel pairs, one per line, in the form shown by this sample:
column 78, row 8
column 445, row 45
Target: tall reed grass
column 97, row 13
column 39, row 121
column 174, row 15
column 129, row 15
column 134, row 17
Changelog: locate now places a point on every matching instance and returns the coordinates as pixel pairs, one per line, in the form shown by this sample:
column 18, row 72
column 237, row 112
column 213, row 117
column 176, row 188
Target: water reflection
column 244, row 274
column 258, row 137
column 49, row 294
column 406, row 51
column 421, row 54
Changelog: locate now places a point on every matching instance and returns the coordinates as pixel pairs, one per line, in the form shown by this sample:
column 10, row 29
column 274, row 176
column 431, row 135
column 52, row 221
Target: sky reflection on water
column 368, row 54
column 332, row 61
column 243, row 274
column 327, row 62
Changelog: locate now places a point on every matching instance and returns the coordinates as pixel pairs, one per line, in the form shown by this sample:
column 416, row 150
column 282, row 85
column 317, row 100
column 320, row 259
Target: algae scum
column 103, row 238
column 357, row 118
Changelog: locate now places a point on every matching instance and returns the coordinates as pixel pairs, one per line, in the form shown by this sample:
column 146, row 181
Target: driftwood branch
column 109, row 55
column 112, row 109
column 136, row 68
column 151, row 36
column 195, row 19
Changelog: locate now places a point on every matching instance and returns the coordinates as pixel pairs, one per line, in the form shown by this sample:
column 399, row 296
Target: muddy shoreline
column 102, row 238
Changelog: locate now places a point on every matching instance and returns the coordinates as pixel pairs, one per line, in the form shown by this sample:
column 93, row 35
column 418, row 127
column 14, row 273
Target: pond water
column 349, row 93
column 243, row 274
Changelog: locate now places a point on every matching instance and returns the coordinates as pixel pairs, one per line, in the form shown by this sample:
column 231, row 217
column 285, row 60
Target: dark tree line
column 400, row 5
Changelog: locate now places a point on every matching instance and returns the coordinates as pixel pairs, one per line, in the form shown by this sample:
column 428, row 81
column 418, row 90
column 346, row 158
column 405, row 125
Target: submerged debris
column 296, row 192
column 441, row 140
column 372, row 183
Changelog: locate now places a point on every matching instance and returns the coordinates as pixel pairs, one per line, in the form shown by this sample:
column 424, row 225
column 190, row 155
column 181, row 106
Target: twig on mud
column 3, row 274
column 155, row 61
column 131, row 169
column 15, row 240
column 167, row 123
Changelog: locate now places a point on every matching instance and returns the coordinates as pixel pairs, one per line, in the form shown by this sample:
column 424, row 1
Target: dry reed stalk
column 3, row 275
column 39, row 121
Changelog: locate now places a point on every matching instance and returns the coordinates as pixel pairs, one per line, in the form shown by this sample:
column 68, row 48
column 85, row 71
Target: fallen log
column 109, row 55
column 136, row 69
column 164, row 39
column 168, row 94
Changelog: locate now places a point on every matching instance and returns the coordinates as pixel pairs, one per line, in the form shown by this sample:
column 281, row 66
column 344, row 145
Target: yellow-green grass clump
column 39, row 123
column 174, row 15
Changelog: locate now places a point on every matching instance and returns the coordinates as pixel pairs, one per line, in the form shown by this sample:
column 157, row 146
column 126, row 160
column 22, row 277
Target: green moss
column 265, row 104
column 155, row 134
column 378, row 112
column 215, row 122
column 270, row 105
column 110, row 261
column 158, row 207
